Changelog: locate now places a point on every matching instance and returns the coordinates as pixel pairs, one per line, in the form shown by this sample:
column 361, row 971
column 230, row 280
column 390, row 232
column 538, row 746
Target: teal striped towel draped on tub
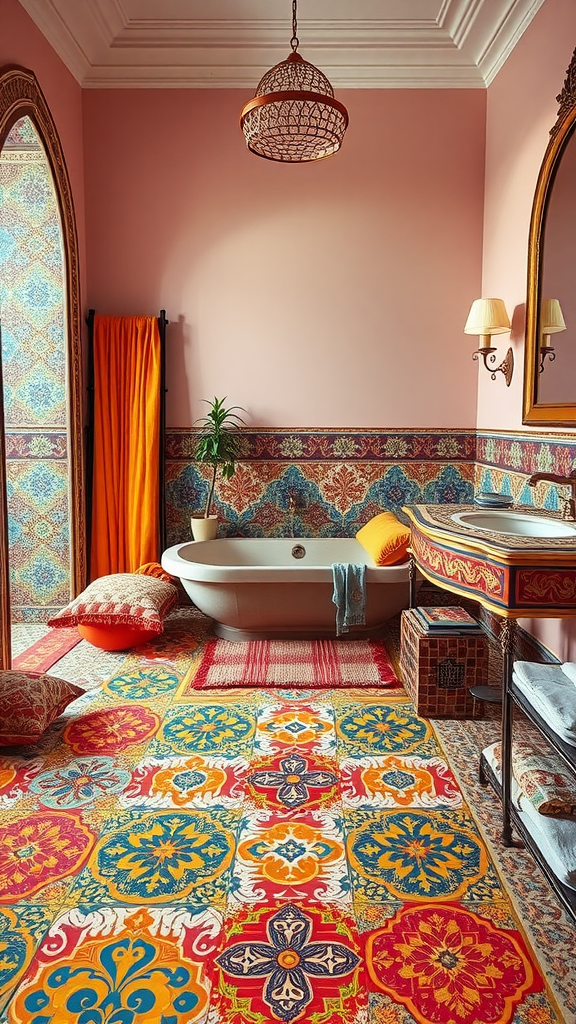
column 349, row 595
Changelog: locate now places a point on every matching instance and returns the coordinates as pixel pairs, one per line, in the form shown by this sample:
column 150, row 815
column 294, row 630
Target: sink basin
column 518, row 523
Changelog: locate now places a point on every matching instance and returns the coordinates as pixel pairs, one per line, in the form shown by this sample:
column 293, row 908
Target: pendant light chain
column 293, row 116
column 294, row 42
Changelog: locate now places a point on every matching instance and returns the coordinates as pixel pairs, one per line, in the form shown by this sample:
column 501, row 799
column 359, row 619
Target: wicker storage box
column 438, row 671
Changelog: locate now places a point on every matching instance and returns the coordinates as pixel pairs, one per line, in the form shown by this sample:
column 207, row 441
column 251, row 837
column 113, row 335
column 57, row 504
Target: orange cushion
column 385, row 538
column 115, row 638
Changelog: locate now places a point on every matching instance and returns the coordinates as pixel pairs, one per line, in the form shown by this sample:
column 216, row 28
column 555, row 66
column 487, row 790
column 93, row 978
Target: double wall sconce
column 488, row 317
column 551, row 322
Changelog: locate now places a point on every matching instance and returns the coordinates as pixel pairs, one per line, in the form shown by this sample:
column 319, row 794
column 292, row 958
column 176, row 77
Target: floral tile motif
column 309, row 726
column 293, row 780
column 80, row 782
column 445, row 962
column 206, row 729
column 39, row 850
column 383, row 728
column 161, row 857
column 340, row 478
column 194, row 781
column 143, row 683
column 111, row 729
column 291, row 962
column 280, row 857
column 398, row 780
column 415, row 855
column 133, row 964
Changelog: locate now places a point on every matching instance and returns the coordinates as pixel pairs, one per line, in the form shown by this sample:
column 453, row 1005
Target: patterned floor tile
column 283, row 857
column 142, row 683
column 383, row 727
column 209, row 728
column 291, row 962
column 127, row 964
column 398, row 780
column 309, row 726
column 447, row 962
column 160, row 857
column 292, row 780
column 43, row 848
column 417, row 855
column 193, row 781
column 258, row 856
column 21, row 929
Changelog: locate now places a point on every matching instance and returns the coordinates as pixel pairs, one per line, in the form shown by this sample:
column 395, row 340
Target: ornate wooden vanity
column 514, row 575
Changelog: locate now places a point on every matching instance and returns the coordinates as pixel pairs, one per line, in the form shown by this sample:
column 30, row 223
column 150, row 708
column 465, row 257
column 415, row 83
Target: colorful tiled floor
column 244, row 857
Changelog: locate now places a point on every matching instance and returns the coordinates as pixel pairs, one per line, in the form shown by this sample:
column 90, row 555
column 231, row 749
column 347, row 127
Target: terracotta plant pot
column 204, row 528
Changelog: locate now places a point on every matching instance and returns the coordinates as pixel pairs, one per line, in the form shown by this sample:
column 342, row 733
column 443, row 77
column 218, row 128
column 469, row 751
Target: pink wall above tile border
column 312, row 295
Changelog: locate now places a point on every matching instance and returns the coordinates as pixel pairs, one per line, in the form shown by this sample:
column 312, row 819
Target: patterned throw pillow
column 125, row 598
column 30, row 701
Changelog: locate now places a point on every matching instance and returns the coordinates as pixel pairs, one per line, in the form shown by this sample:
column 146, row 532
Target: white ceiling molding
column 158, row 44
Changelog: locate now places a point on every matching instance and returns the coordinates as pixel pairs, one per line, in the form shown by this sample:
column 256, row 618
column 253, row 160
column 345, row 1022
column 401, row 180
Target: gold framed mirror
column 550, row 356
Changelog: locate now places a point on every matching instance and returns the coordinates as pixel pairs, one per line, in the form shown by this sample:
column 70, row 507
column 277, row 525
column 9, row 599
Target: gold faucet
column 569, row 510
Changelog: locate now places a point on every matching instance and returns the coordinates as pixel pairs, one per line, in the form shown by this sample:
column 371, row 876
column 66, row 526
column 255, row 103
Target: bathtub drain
column 298, row 551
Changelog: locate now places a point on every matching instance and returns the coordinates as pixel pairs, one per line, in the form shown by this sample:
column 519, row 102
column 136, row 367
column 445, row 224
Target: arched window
column 25, row 126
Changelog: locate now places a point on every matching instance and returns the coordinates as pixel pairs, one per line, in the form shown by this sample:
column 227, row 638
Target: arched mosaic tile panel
column 33, row 303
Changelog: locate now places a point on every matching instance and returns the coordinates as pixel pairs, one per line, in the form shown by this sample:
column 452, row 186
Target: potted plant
column 218, row 446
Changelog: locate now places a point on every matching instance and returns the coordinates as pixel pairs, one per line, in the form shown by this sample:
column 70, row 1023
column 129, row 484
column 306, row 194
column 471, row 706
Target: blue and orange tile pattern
column 245, row 857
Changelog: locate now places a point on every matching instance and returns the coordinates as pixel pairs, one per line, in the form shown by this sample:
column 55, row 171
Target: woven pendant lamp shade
column 293, row 116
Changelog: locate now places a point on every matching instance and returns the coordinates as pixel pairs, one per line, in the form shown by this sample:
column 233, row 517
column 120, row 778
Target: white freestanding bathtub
column 281, row 587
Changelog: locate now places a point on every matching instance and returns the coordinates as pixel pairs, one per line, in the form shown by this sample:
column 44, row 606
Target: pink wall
column 23, row 44
column 522, row 108
column 318, row 295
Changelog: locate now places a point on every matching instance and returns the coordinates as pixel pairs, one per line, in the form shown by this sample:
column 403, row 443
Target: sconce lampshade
column 551, row 317
column 486, row 317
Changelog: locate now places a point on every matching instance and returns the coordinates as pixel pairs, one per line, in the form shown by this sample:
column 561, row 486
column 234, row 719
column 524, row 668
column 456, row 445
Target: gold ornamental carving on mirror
column 567, row 97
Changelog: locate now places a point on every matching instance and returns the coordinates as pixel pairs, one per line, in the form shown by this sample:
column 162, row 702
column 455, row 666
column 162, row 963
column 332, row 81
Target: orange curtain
column 126, row 457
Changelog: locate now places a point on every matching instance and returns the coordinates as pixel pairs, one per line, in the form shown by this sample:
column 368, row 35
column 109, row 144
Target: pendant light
column 293, row 116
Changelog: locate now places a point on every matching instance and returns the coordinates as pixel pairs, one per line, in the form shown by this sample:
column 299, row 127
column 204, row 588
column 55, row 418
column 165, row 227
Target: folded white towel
column 551, row 693
column 569, row 669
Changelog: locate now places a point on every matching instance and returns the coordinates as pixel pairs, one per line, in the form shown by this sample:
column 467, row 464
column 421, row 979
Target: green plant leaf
column 219, row 441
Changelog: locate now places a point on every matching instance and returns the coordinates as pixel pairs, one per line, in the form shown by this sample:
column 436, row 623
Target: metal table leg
column 507, row 641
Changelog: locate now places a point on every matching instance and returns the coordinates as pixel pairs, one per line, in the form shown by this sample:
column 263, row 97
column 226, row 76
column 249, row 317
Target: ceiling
column 368, row 44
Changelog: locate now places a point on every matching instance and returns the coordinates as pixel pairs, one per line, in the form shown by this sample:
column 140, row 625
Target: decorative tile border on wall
column 337, row 479
column 38, row 523
column 505, row 461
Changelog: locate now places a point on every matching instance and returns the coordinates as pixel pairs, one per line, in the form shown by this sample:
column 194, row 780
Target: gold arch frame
column 20, row 96
column 546, row 413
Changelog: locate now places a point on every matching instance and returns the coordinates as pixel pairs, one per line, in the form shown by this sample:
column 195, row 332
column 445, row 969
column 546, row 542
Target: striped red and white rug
column 292, row 664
